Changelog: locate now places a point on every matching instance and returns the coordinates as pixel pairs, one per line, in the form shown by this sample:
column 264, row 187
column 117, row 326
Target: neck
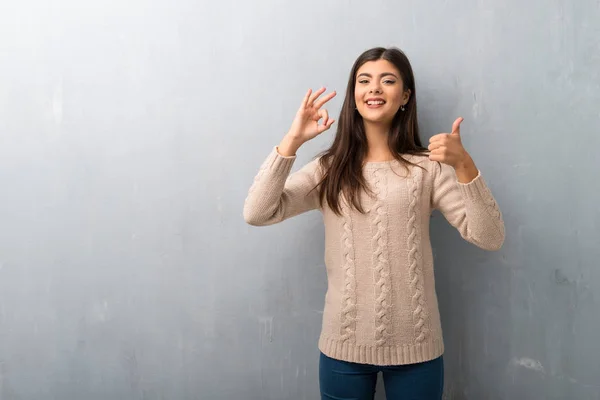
column 377, row 141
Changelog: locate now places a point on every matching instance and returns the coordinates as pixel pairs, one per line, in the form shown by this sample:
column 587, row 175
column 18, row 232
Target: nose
column 375, row 89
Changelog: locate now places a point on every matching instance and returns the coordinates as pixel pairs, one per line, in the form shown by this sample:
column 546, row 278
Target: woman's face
column 379, row 91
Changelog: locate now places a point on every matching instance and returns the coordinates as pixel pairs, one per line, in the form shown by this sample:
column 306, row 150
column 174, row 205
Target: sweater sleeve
column 469, row 207
column 277, row 195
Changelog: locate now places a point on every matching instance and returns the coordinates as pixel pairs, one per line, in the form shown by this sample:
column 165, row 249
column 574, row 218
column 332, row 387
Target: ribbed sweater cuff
column 474, row 189
column 279, row 164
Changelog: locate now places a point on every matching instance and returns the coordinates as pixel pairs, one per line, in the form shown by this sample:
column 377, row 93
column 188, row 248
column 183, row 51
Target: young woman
column 376, row 187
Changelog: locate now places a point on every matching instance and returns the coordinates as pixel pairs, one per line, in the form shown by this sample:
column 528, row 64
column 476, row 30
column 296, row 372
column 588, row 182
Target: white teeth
column 372, row 103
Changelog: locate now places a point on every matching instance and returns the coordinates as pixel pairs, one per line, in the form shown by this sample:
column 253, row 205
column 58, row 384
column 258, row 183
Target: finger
column 323, row 128
column 435, row 145
column 438, row 137
column 324, row 100
column 325, row 115
column 456, row 126
column 435, row 157
column 306, row 97
column 314, row 96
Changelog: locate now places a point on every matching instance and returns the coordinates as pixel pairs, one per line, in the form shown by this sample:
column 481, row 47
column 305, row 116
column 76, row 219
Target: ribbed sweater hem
column 381, row 355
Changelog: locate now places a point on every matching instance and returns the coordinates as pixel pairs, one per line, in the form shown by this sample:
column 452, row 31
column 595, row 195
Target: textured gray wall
column 130, row 132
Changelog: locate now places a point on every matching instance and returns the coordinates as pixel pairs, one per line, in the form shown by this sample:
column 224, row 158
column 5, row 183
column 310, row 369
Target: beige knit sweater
column 381, row 306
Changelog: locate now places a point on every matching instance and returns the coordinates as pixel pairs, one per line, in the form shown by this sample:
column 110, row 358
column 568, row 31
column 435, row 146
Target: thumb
column 456, row 126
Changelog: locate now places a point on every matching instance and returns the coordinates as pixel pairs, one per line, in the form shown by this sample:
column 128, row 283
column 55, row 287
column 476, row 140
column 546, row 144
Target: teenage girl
column 376, row 187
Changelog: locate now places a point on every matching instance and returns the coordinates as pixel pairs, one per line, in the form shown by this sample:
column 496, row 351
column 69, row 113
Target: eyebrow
column 382, row 75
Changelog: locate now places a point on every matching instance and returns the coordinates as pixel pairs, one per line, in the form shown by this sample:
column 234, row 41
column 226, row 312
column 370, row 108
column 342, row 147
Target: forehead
column 377, row 67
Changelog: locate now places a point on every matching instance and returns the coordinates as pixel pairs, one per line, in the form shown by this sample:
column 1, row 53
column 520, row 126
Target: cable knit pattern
column 380, row 305
column 348, row 311
column 419, row 304
column 383, row 301
column 491, row 203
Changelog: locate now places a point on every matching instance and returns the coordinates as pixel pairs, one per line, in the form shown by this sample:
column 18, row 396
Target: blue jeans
column 341, row 380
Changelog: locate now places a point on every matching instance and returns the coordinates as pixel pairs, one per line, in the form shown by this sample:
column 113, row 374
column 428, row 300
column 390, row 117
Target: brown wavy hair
column 342, row 163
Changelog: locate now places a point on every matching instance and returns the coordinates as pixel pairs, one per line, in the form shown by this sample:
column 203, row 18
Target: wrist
column 466, row 170
column 465, row 162
column 289, row 145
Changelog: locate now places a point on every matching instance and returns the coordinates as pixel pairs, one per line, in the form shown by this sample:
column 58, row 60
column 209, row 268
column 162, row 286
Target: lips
column 375, row 102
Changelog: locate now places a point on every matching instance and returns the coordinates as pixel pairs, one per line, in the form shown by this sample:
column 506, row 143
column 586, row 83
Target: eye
column 363, row 81
column 389, row 81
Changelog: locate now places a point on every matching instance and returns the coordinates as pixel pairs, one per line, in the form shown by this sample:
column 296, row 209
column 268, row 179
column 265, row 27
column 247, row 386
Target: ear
column 406, row 95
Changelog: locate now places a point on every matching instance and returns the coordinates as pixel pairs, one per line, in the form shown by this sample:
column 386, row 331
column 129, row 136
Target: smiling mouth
column 375, row 103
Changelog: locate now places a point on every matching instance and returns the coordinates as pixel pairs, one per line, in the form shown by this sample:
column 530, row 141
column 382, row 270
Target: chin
column 377, row 118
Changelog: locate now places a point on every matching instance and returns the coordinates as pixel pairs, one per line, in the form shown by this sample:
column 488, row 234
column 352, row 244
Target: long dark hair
column 342, row 163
